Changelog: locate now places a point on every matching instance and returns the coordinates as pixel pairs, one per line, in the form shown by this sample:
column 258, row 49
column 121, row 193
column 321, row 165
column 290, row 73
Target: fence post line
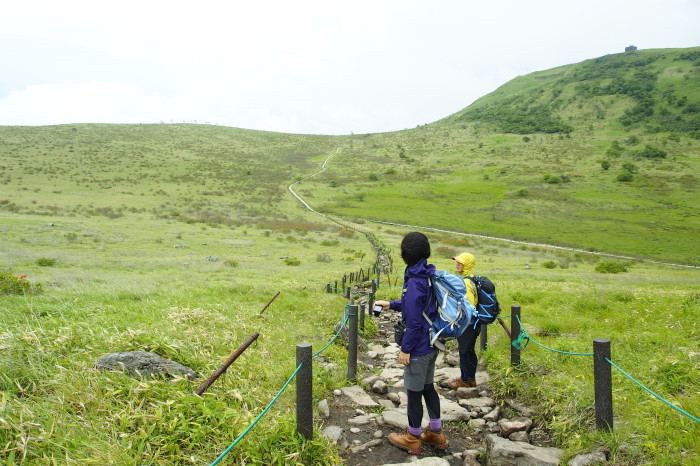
column 514, row 334
column 305, row 412
column 602, row 376
column 362, row 310
column 483, row 337
column 352, row 342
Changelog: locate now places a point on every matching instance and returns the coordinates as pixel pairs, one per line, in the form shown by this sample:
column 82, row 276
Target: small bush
column 552, row 179
column 330, row 242
column 611, row 267
column 625, row 177
column 549, row 265
column 231, row 263
column 605, row 165
column 373, row 177
column 10, row 284
column 292, row 261
column 323, row 257
column 45, row 262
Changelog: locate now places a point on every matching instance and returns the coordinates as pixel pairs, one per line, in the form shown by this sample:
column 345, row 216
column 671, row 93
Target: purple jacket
column 416, row 294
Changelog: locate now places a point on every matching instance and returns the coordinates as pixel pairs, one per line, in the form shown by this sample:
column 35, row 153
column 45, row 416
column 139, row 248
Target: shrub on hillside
column 323, row 257
column 611, row 267
column 231, row 263
column 12, row 285
column 549, row 265
column 292, row 261
column 651, row 152
column 625, row 177
column 45, row 262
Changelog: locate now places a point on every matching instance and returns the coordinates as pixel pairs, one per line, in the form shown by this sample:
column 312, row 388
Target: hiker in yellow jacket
column 464, row 265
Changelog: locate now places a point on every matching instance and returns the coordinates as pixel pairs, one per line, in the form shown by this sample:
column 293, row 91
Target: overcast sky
column 304, row 66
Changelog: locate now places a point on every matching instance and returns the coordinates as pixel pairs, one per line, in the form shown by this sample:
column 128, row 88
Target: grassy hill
column 171, row 238
column 561, row 156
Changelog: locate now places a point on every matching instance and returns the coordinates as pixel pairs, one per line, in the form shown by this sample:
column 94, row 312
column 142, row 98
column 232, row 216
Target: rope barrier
column 248, row 429
column 279, row 393
column 517, row 343
column 657, row 396
column 524, row 336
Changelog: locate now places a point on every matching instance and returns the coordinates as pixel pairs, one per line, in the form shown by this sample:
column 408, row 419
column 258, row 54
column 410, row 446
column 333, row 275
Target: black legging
column 415, row 405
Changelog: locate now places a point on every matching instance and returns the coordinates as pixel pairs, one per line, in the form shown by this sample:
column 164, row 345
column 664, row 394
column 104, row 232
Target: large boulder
column 143, row 364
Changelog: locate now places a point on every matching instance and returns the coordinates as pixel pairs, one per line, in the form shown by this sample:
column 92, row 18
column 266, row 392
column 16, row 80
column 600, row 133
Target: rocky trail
column 479, row 428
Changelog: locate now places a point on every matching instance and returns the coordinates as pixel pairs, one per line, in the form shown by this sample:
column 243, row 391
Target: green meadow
column 172, row 238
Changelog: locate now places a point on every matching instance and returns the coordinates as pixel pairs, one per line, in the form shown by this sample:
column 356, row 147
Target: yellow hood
column 468, row 261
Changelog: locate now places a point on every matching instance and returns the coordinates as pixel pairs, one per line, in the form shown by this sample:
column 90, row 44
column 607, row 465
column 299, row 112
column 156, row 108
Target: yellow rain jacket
column 469, row 262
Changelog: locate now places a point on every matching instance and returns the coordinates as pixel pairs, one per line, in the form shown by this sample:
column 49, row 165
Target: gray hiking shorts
column 420, row 372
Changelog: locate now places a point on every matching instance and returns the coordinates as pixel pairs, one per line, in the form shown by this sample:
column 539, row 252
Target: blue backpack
column 487, row 306
column 454, row 313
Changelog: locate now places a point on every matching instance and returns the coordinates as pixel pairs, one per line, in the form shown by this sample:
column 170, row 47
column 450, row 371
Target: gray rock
column 358, row 396
column 363, row 419
column 508, row 426
column 519, row 407
column 502, row 452
column 141, row 364
column 597, row 457
column 493, row 414
column 380, row 387
column 323, row 409
column 519, row 436
column 469, row 459
column 467, row 392
column 333, row 433
column 480, row 402
column 478, row 423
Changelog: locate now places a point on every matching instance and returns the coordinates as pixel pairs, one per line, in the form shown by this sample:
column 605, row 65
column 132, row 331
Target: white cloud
column 310, row 66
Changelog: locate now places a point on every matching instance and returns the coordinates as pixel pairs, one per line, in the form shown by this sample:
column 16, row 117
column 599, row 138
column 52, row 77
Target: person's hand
column 404, row 358
column 384, row 304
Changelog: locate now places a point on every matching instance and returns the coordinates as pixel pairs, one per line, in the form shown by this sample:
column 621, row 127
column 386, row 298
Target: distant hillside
column 652, row 90
column 601, row 155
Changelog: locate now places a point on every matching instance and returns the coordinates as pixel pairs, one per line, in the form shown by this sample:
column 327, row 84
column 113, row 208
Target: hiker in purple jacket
column 416, row 355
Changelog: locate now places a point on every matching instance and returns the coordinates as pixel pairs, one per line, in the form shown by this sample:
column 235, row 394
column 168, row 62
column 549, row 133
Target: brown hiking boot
column 406, row 441
column 435, row 438
column 458, row 382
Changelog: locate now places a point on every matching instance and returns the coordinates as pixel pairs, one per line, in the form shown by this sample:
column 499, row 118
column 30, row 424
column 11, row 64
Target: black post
column 483, row 337
column 352, row 342
column 336, row 286
column 305, row 412
column 514, row 334
column 602, row 376
column 347, row 293
column 363, row 310
column 328, row 289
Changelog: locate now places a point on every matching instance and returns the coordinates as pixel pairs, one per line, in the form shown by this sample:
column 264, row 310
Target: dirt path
column 371, row 438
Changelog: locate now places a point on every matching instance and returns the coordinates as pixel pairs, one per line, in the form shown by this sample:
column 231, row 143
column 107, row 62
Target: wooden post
column 514, row 334
column 602, row 375
column 226, row 365
column 352, row 342
column 305, row 411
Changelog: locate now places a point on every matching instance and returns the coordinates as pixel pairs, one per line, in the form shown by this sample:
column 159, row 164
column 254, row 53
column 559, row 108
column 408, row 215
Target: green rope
column 657, row 396
column 248, row 429
column 336, row 336
column 269, row 405
column 524, row 335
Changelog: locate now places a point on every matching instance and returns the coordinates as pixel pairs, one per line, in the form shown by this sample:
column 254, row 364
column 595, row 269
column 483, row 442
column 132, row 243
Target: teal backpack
column 454, row 313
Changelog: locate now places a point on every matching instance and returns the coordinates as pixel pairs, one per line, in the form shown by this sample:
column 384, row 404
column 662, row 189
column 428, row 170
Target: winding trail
column 474, row 235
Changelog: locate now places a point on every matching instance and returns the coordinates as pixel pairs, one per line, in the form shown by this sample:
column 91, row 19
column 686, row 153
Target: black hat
column 414, row 247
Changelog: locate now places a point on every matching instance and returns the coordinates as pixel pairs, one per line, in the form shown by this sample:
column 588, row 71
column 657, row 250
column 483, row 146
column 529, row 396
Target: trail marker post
column 305, row 412
column 602, row 375
column 514, row 334
column 352, row 342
